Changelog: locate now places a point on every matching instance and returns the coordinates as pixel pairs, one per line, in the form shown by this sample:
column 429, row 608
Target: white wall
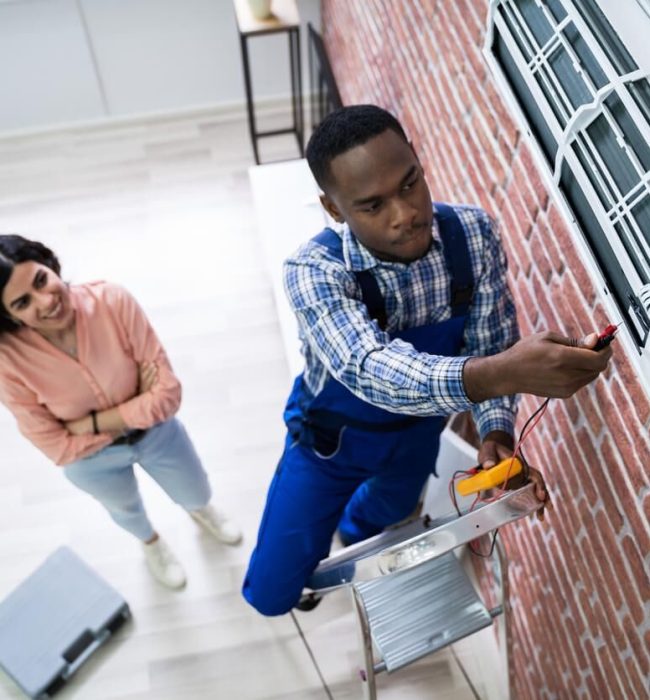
column 64, row 61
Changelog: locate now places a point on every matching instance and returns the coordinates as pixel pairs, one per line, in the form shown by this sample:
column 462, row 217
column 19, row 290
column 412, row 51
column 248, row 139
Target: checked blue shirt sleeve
column 335, row 326
column 492, row 323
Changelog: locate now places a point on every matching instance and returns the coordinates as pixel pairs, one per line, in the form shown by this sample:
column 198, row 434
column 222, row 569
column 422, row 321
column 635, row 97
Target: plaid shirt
column 339, row 338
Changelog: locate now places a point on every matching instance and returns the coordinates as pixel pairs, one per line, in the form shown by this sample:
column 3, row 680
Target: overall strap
column 457, row 258
column 370, row 292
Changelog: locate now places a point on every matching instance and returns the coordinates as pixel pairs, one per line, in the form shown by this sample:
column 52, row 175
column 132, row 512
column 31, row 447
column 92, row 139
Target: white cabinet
column 46, row 69
column 64, row 61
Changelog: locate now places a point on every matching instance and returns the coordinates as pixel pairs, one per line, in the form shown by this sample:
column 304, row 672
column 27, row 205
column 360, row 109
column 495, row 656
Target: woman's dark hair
column 344, row 129
column 15, row 249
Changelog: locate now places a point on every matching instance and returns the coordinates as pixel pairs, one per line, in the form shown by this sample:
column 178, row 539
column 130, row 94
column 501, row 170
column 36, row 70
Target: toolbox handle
column 85, row 644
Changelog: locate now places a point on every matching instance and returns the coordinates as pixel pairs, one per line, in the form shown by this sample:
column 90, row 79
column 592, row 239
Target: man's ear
column 331, row 208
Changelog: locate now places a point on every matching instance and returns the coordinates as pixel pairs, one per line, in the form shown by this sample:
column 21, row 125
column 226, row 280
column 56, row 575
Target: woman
column 90, row 385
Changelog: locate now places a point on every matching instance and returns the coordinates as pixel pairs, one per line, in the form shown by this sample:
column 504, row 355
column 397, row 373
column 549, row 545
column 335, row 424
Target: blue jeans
column 166, row 453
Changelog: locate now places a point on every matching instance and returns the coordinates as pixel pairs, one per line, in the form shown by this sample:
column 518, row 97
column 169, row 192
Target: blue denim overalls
column 347, row 463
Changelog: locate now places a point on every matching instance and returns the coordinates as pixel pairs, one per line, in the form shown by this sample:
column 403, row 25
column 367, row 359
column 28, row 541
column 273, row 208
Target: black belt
column 130, row 438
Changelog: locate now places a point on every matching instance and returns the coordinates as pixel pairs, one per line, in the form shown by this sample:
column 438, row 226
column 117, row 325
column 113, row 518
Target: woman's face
column 38, row 297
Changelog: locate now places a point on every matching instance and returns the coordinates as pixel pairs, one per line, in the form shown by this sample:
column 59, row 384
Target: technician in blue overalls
column 405, row 317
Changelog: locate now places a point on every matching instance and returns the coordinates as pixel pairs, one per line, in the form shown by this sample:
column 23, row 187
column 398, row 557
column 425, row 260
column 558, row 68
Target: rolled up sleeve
column 43, row 429
column 163, row 400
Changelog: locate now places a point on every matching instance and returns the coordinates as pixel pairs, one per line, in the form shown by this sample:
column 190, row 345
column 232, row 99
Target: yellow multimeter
column 489, row 478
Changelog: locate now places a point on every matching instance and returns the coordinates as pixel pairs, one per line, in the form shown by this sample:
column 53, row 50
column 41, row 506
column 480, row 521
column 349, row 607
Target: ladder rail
column 418, row 542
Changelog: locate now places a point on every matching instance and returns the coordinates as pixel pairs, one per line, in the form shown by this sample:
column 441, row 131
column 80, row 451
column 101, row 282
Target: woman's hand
column 80, row 426
column 147, row 376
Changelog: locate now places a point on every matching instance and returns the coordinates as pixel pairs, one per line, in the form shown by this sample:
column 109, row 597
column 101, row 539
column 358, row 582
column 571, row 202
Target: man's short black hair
column 14, row 250
column 344, row 129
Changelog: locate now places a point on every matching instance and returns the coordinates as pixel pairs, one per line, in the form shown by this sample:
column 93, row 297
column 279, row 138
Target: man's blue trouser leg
column 379, row 476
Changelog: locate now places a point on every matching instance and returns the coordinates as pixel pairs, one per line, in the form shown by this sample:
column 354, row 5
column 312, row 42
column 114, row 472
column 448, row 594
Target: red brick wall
column 580, row 589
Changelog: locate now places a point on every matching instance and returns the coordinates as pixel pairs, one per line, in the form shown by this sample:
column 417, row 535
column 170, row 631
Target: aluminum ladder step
column 416, row 612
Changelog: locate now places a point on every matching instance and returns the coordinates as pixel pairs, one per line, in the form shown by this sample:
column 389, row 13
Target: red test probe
column 606, row 337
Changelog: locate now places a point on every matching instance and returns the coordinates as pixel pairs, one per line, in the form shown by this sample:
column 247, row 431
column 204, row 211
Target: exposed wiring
column 532, row 421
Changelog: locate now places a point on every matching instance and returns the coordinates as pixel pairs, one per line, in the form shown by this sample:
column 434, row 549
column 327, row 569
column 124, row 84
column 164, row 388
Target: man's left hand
column 498, row 446
column 495, row 447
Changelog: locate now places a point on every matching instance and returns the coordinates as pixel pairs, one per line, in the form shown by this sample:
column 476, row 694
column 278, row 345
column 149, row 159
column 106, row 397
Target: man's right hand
column 543, row 364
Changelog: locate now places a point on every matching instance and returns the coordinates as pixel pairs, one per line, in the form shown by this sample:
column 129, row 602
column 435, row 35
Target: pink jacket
column 42, row 386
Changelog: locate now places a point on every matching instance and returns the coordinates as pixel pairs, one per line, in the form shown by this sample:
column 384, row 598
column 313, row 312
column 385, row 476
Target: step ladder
column 411, row 594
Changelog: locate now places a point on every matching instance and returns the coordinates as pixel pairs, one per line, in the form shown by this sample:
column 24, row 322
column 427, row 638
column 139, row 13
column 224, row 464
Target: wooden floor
column 164, row 207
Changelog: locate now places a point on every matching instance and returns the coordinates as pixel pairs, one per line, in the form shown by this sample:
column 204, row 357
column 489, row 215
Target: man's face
column 379, row 190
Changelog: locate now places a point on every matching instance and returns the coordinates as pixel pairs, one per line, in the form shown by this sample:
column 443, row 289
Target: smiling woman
column 90, row 385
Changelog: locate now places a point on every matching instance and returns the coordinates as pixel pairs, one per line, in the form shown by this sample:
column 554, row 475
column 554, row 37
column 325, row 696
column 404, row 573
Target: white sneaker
column 217, row 524
column 163, row 565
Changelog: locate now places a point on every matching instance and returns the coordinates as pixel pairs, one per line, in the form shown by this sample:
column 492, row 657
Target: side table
column 284, row 18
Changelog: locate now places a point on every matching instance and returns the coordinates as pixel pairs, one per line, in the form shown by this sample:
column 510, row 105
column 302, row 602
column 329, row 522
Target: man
column 405, row 317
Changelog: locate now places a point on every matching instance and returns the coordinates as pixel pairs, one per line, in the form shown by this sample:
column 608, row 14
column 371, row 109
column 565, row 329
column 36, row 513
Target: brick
column 640, row 685
column 483, row 111
column 609, row 670
column 611, row 620
column 574, row 634
column 575, row 297
column 594, row 665
column 625, row 681
column 507, row 148
column 628, row 415
column 569, row 474
column 525, row 305
column 569, row 668
column 630, row 380
column 565, row 512
column 514, row 242
column 594, row 692
column 568, row 326
column 601, row 562
column 591, row 459
column 631, row 509
column 591, row 412
column 505, row 120
column 527, row 194
column 549, row 318
column 585, row 282
column 466, row 14
column 572, row 459
column 522, row 215
column 572, row 409
column 584, row 561
column 630, row 592
column 639, row 571
column 542, row 262
column 565, row 241
column 474, row 60
column 550, row 244
column 608, row 496
column 630, row 451
column 640, row 653
column 534, row 177
column 490, row 152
